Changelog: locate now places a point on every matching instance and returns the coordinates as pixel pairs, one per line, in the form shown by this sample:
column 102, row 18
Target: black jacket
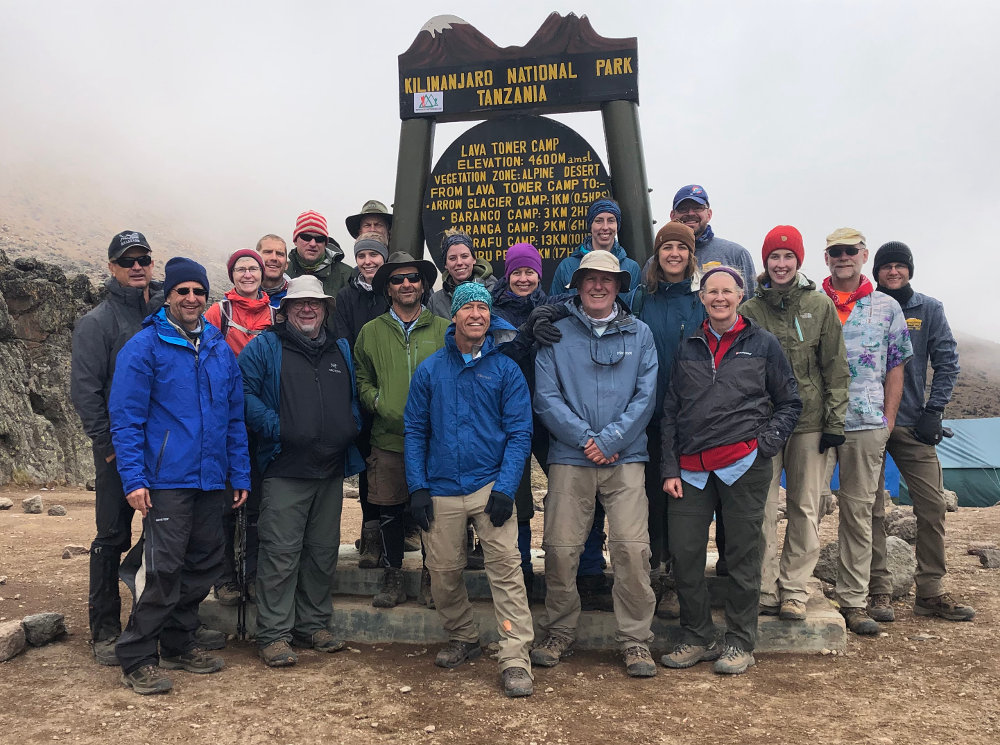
column 356, row 306
column 97, row 339
column 752, row 394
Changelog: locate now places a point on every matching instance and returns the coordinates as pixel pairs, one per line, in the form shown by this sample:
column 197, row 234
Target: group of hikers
column 656, row 399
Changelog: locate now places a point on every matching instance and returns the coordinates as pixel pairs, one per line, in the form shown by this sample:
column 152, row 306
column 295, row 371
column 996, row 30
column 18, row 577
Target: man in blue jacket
column 912, row 441
column 176, row 409
column 467, row 437
column 595, row 392
column 302, row 406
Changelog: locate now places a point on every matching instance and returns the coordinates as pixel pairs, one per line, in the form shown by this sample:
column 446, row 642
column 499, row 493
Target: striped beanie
column 310, row 222
column 470, row 292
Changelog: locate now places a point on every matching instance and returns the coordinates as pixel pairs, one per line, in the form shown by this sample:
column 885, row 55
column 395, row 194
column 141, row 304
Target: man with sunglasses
column 318, row 254
column 878, row 345
column 595, row 392
column 388, row 351
column 130, row 296
column 176, row 409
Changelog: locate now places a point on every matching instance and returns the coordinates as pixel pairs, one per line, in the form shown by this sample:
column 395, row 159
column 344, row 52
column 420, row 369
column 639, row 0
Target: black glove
column 540, row 325
column 928, row 429
column 499, row 507
column 422, row 508
column 827, row 440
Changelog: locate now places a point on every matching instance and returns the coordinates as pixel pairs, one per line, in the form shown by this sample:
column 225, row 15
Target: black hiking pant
column 114, row 536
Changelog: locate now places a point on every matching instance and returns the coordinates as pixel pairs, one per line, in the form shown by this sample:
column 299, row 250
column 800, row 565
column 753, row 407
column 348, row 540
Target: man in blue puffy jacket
column 176, row 409
column 467, row 437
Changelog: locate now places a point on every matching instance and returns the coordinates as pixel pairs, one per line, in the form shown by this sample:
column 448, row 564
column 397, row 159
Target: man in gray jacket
column 595, row 392
column 911, row 443
column 97, row 339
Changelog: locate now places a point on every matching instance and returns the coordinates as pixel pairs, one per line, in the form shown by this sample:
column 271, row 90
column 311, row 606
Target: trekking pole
column 240, row 551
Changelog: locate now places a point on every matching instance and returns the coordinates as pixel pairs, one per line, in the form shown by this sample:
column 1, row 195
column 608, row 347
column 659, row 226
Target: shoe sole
column 149, row 692
column 111, row 661
column 881, row 617
column 548, row 661
column 794, row 616
column 168, row 664
column 918, row 611
column 644, row 672
column 734, row 671
column 472, row 654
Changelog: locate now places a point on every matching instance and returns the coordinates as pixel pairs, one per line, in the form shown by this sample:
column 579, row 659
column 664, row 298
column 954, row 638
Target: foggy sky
column 239, row 115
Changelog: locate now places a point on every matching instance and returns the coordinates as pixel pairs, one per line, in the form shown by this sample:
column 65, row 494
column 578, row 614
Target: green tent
column 970, row 461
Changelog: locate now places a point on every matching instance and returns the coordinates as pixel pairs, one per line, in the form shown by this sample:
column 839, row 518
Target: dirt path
column 927, row 681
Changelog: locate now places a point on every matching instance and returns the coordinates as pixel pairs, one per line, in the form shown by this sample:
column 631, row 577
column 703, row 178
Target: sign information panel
column 514, row 180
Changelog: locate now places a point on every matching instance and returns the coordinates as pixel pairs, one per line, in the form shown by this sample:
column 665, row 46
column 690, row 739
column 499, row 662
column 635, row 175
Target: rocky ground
column 925, row 681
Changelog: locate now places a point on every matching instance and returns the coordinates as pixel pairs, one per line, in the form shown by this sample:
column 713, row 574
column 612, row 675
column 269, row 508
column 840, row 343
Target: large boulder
column 900, row 561
column 42, row 628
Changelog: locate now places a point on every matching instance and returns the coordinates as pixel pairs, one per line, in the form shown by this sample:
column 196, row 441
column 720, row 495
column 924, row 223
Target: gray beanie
column 370, row 244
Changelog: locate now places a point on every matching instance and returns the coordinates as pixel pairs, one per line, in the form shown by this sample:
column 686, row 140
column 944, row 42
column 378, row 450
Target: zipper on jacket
column 163, row 448
column 798, row 329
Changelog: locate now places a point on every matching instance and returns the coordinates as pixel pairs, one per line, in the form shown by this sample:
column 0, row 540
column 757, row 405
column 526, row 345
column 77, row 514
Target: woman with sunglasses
column 731, row 404
column 666, row 301
column 805, row 322
column 460, row 265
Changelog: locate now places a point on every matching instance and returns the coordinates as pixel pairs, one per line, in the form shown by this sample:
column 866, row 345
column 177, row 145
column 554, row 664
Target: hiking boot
column 516, row 682
column 595, row 592
column 196, row 660
column 209, row 639
column 858, row 621
column 370, row 545
column 639, row 662
column 456, row 652
column 425, row 597
column 734, row 661
column 944, row 606
column 880, row 607
column 104, row 652
column 670, row 605
column 321, row 641
column 228, row 594
column 278, row 654
column 689, row 655
column 147, row 680
column 766, row 609
column 392, row 592
column 792, row 610
column 550, row 650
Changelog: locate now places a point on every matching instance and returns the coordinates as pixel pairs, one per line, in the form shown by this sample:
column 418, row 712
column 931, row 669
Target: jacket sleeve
column 634, row 419
column 236, row 435
column 90, row 368
column 515, row 415
column 561, row 421
column 783, row 390
column 128, row 407
column 417, row 429
column 943, row 353
column 353, row 462
column 834, row 372
column 560, row 278
column 256, row 363
column 341, row 320
column 364, row 370
column 669, row 462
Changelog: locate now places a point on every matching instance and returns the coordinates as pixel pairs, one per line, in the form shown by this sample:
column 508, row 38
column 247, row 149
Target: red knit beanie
column 243, row 253
column 787, row 237
column 310, row 222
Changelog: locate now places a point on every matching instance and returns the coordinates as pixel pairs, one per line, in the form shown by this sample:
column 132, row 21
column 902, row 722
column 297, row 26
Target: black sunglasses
column 127, row 262
column 397, row 279
column 199, row 291
column 308, row 237
column 836, row 251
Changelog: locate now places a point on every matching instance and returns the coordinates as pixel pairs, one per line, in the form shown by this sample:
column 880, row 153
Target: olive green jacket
column 808, row 328
column 385, row 360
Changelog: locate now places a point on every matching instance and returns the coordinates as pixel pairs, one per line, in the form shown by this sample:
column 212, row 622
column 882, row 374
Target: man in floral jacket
column 878, row 345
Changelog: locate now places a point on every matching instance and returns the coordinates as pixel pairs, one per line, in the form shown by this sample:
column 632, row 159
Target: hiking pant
column 299, row 531
column 181, row 558
column 804, row 466
column 569, row 517
column 860, row 459
column 445, row 546
column 113, row 515
column 920, row 468
column 743, row 504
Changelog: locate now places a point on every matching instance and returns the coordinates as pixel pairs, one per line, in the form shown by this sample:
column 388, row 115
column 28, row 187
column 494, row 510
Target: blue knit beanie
column 456, row 239
column 469, row 292
column 179, row 270
column 603, row 205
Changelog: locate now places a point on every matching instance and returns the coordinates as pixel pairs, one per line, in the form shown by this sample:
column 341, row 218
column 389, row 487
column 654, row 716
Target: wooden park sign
column 518, row 176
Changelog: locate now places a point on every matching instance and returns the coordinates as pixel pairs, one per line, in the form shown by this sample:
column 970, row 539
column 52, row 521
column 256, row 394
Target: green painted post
column 627, row 166
column 416, row 147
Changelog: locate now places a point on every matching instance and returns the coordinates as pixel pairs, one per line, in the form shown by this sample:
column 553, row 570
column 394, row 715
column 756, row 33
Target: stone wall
column 41, row 439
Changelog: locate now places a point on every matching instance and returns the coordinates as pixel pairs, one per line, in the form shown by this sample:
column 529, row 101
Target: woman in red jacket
column 245, row 310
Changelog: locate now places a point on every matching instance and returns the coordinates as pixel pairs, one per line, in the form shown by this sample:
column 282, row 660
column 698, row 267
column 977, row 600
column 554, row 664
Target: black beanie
column 893, row 252
column 180, row 269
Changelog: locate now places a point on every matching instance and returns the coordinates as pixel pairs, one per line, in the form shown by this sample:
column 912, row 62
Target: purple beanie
column 522, row 255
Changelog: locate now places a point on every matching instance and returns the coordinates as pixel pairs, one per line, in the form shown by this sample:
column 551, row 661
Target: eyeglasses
column 608, row 355
column 310, row 237
column 246, row 270
column 127, row 262
column 398, row 279
column 307, row 302
column 680, row 209
column 836, row 251
column 198, row 291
